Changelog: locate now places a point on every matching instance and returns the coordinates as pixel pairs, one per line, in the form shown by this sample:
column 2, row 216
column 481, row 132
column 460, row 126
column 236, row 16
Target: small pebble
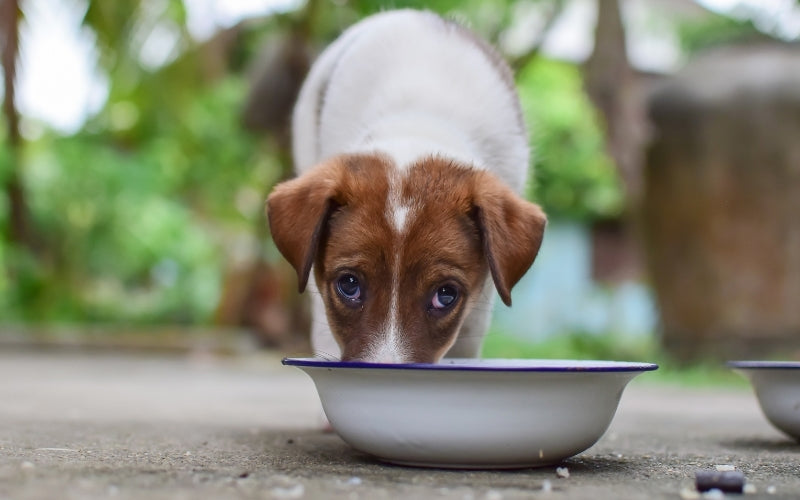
column 295, row 491
column 547, row 486
column 493, row 495
column 724, row 468
column 355, row 480
column 689, row 494
column 562, row 472
column 714, row 493
column 26, row 465
column 750, row 489
column 726, row 482
column 772, row 490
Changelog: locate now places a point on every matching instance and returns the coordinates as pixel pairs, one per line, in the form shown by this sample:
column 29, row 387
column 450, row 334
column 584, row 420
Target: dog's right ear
column 298, row 211
column 512, row 230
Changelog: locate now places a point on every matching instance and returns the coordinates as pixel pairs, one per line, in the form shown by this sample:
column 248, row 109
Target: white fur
column 399, row 217
column 388, row 345
column 409, row 85
column 398, row 212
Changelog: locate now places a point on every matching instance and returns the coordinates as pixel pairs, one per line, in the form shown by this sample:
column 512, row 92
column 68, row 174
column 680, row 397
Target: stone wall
column 721, row 214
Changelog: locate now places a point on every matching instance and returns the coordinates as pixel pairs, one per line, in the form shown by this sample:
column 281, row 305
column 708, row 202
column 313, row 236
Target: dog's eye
column 444, row 297
column 348, row 287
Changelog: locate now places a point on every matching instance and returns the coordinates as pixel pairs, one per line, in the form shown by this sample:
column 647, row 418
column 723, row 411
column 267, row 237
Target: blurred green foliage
column 573, row 177
column 140, row 234
column 715, row 30
column 578, row 345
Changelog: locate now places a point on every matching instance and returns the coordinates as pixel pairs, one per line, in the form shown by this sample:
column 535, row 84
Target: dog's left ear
column 297, row 211
column 511, row 229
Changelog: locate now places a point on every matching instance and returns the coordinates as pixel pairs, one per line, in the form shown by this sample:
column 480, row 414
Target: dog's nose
column 385, row 354
column 389, row 360
column 383, row 358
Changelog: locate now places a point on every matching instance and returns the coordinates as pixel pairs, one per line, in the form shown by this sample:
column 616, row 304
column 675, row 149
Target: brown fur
column 465, row 223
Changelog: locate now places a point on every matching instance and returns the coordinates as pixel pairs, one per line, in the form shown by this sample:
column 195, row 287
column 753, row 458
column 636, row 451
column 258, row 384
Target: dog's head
column 400, row 257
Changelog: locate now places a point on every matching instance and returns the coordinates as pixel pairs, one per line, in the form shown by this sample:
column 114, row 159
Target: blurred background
column 140, row 138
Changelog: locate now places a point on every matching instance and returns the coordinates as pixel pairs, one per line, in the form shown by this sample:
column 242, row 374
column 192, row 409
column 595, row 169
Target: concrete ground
column 91, row 426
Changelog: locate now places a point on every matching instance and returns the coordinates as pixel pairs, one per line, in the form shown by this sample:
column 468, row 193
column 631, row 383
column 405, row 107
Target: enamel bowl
column 777, row 387
column 470, row 413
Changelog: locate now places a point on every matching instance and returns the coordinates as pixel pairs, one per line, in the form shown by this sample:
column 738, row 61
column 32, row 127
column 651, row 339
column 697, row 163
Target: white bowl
column 469, row 413
column 777, row 387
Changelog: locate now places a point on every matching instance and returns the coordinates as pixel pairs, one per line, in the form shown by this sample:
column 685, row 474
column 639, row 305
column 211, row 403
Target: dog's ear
column 511, row 229
column 298, row 211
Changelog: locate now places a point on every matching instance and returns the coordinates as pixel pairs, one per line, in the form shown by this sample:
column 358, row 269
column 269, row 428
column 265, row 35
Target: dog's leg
column 470, row 338
column 322, row 341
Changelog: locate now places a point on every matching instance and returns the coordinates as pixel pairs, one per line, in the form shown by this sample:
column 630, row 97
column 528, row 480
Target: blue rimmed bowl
column 777, row 387
column 469, row 413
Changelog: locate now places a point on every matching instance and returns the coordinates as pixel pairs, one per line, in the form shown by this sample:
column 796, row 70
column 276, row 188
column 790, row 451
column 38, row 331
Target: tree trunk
column 615, row 91
column 18, row 230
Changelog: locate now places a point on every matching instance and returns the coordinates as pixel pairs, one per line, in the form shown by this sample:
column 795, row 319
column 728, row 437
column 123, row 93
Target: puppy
column 411, row 153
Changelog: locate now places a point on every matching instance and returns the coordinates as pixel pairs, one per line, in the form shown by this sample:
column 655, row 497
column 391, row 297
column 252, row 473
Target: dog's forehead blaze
column 438, row 196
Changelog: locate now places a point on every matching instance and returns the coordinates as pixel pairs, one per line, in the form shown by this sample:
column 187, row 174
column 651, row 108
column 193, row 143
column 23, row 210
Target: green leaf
column 573, row 176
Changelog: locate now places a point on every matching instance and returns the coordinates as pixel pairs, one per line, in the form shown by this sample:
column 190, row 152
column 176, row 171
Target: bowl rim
column 521, row 365
column 763, row 365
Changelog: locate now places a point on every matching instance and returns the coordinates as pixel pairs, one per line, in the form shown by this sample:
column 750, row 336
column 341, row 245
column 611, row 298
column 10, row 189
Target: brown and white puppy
column 411, row 153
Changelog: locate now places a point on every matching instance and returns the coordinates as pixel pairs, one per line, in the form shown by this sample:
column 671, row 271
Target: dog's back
column 410, row 84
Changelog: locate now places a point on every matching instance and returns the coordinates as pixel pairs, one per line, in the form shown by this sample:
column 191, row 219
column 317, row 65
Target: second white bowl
column 777, row 387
